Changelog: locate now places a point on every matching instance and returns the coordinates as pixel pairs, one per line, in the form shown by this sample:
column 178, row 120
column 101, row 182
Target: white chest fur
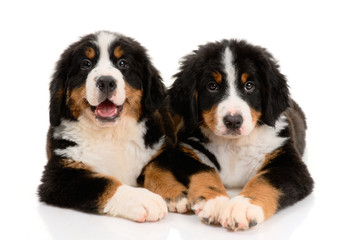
column 117, row 151
column 241, row 158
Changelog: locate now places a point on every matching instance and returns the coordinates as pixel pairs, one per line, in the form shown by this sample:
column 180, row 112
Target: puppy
column 237, row 125
column 106, row 125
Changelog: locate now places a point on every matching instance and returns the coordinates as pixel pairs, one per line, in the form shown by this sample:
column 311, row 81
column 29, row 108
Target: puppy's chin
column 101, row 123
column 226, row 133
column 229, row 135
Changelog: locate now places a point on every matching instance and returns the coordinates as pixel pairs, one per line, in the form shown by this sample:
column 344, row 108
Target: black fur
column 275, row 92
column 198, row 146
column 182, row 165
column 144, row 76
column 197, row 68
column 189, row 98
column 67, row 76
column 155, row 131
column 290, row 175
column 71, row 188
column 68, row 182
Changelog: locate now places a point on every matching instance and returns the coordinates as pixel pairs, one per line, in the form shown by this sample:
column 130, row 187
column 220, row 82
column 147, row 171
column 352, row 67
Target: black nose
column 233, row 122
column 106, row 84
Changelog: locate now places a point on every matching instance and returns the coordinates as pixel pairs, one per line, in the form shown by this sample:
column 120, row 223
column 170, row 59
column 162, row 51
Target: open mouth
column 107, row 111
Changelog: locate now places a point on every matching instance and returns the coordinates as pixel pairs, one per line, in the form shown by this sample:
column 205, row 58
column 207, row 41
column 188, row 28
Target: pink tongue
column 106, row 109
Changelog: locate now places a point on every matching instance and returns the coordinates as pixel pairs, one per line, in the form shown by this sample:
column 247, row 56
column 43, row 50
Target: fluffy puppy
column 105, row 127
column 237, row 125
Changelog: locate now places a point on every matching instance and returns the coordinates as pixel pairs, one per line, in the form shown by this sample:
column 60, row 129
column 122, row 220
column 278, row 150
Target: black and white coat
column 106, row 125
column 236, row 127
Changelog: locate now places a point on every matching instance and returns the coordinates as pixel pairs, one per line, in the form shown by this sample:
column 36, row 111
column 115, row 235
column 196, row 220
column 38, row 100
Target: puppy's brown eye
column 122, row 63
column 86, row 64
column 249, row 87
column 212, row 86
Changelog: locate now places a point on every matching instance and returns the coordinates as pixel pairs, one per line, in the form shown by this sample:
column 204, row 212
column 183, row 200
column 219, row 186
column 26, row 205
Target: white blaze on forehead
column 232, row 104
column 230, row 71
column 104, row 41
column 105, row 67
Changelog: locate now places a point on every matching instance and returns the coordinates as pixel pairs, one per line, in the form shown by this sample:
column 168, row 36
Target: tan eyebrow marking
column 217, row 77
column 90, row 52
column 118, row 52
column 244, row 77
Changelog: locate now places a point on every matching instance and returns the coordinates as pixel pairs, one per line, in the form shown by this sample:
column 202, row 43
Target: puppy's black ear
column 275, row 94
column 58, row 84
column 154, row 91
column 183, row 93
column 57, row 89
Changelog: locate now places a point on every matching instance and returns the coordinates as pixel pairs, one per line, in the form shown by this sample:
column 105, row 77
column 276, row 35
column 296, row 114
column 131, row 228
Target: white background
column 315, row 42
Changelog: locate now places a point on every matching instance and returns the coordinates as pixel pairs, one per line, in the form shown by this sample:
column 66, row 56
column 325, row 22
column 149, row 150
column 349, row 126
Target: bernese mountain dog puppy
column 237, row 127
column 106, row 125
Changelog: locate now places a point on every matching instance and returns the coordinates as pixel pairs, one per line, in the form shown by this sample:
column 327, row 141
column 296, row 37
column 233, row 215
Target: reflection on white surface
column 174, row 234
column 69, row 224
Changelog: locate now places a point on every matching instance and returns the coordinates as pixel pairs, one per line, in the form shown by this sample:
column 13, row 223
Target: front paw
column 179, row 204
column 137, row 204
column 208, row 210
column 240, row 214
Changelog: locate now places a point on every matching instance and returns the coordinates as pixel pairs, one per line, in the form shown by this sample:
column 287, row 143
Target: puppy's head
column 229, row 87
column 102, row 77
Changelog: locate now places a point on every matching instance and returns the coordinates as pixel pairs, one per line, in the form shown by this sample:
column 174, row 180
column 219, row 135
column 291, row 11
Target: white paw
column 239, row 214
column 181, row 205
column 137, row 204
column 208, row 211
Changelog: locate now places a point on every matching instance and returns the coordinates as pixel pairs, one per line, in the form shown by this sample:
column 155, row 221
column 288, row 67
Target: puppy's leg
column 71, row 184
column 207, row 195
column 164, row 183
column 179, row 171
column 282, row 181
column 256, row 202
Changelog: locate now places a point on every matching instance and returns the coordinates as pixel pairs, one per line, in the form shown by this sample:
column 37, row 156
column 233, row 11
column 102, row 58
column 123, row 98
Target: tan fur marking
column 49, row 145
column 269, row 157
column 76, row 100
column 217, row 77
column 158, row 115
column 160, row 151
column 68, row 163
column 176, row 121
column 163, row 182
column 244, row 77
column 90, row 52
column 205, row 185
column 210, row 118
column 196, row 96
column 262, row 194
column 118, row 52
column 60, row 93
column 132, row 106
column 190, row 153
column 255, row 116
